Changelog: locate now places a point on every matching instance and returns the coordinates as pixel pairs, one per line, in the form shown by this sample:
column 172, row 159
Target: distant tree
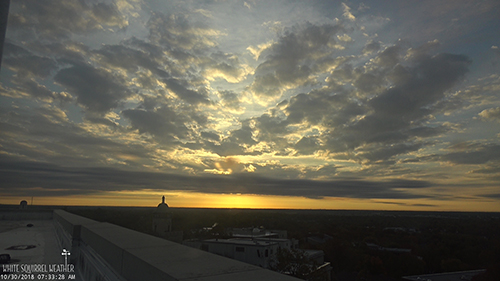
column 453, row 264
column 294, row 263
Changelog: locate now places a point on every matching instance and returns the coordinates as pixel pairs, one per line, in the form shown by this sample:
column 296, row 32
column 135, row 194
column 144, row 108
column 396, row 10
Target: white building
column 162, row 219
column 256, row 252
column 260, row 248
column 162, row 223
column 288, row 244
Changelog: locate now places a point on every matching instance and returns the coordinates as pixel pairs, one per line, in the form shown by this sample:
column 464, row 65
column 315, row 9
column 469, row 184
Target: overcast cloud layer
column 313, row 99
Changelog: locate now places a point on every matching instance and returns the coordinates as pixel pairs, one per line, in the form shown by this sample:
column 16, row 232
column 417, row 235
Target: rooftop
column 447, row 276
column 240, row 241
column 30, row 245
column 130, row 254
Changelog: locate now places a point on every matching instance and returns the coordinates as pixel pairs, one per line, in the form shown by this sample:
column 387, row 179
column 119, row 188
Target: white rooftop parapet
column 137, row 256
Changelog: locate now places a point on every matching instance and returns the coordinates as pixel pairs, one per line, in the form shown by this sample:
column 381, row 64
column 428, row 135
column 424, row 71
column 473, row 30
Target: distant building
column 286, row 244
column 260, row 247
column 162, row 223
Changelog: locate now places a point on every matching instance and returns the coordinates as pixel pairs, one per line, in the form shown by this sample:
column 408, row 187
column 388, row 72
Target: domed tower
column 162, row 219
column 23, row 205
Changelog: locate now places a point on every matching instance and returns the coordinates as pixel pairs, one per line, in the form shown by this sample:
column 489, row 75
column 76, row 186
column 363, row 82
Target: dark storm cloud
column 319, row 189
column 230, row 100
column 126, row 58
column 431, row 77
column 56, row 19
column 45, row 134
column 397, row 115
column 390, row 118
column 321, row 107
column 147, row 47
column 13, row 50
column 67, row 52
column 96, row 89
column 389, row 57
column 489, row 170
column 101, row 120
column 24, row 176
column 223, row 65
column 226, row 148
column 476, row 154
column 385, row 152
column 293, row 59
column 210, row 136
column 190, row 96
column 407, row 204
column 307, row 145
column 32, row 88
column 27, row 64
column 371, row 47
column 235, row 143
column 29, row 67
column 176, row 31
column 495, row 196
column 243, row 135
column 163, row 122
column 270, row 128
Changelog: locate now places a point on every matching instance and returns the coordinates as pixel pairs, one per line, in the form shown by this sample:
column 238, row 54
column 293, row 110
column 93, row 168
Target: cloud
column 230, row 101
column 389, row 57
column 371, row 47
column 56, row 19
column 27, row 64
column 347, row 13
column 491, row 114
column 120, row 56
column 176, row 31
column 225, row 66
column 190, row 96
column 162, row 122
column 46, row 134
column 307, row 145
column 225, row 148
column 474, row 154
column 385, row 113
column 406, row 204
column 303, row 104
column 399, row 108
column 491, row 196
column 96, row 89
column 23, row 176
column 26, row 88
column 292, row 60
column 432, row 76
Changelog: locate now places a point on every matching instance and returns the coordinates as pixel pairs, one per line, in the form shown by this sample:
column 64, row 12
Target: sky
column 377, row 105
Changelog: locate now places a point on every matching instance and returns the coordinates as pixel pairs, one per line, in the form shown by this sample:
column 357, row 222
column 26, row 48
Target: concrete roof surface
column 42, row 235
